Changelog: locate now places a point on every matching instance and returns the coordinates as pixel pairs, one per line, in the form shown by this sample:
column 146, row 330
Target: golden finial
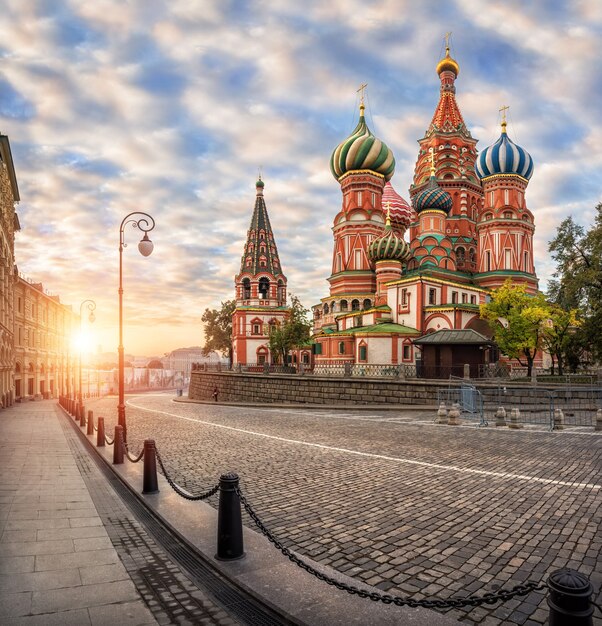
column 361, row 92
column 503, row 112
column 388, row 221
column 447, row 36
column 432, row 151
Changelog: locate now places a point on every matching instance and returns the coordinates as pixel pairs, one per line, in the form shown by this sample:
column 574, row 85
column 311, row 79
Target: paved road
column 394, row 500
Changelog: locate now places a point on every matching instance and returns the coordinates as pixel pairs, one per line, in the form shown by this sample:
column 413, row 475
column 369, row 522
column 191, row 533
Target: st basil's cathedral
column 468, row 227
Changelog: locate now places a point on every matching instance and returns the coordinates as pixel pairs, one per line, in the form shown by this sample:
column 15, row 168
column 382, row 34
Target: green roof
column 380, row 329
column 454, row 337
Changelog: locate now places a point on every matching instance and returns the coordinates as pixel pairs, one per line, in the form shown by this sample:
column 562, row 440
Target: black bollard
column 82, row 415
column 100, row 433
column 229, row 520
column 118, row 445
column 90, row 429
column 570, row 598
column 150, row 483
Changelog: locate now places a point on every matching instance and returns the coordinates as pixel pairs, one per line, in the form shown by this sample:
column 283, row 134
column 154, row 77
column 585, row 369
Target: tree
column 577, row 282
column 557, row 334
column 518, row 321
column 294, row 330
column 155, row 364
column 218, row 330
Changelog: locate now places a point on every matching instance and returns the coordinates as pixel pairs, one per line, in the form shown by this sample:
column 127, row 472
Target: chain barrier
column 178, row 489
column 134, row 459
column 108, row 441
column 427, row 603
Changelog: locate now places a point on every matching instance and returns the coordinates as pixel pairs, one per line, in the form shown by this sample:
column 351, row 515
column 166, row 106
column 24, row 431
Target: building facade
column 9, row 224
column 260, row 290
column 45, row 364
column 468, row 230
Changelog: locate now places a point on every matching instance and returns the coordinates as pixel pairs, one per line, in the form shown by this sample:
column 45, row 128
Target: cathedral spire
column 260, row 253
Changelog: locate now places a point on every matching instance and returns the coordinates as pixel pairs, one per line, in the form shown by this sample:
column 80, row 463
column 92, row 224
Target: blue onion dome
column 362, row 151
column 432, row 197
column 504, row 157
column 388, row 246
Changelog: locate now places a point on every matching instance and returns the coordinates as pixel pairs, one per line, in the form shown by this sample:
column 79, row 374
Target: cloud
column 170, row 108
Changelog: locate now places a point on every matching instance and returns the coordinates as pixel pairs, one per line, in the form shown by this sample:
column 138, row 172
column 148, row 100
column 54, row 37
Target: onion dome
column 447, row 64
column 400, row 210
column 362, row 151
column 504, row 157
column 388, row 246
column 432, row 197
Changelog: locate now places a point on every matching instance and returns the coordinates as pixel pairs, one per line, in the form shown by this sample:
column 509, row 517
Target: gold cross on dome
column 447, row 36
column 361, row 92
column 503, row 112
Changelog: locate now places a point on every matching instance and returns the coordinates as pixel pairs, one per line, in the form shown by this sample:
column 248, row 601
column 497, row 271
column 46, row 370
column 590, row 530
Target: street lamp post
column 145, row 223
column 91, row 306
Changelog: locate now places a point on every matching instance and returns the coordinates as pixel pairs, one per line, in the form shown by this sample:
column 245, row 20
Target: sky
column 172, row 107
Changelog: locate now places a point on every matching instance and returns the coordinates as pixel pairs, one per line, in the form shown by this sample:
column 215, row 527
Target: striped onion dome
column 400, row 210
column 504, row 157
column 388, row 246
column 362, row 151
column 433, row 197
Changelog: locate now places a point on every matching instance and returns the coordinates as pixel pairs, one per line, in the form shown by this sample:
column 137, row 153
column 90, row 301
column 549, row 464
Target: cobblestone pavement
column 394, row 500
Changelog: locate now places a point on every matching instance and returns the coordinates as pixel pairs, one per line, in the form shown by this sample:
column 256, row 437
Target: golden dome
column 447, row 64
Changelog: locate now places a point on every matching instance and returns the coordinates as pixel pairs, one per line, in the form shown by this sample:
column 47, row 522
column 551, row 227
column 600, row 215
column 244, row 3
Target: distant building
column 9, row 224
column 45, row 366
column 181, row 360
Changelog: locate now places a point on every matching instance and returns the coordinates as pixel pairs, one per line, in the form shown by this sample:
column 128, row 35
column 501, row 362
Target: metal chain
column 178, row 489
column 133, row 459
column 111, row 442
column 432, row 603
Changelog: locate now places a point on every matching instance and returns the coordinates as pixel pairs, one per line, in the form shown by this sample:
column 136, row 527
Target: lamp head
column 145, row 246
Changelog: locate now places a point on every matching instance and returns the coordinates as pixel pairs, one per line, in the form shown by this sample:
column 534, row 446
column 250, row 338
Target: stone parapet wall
column 283, row 389
column 295, row 389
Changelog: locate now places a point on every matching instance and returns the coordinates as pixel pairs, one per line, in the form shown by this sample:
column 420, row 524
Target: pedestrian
column 215, row 393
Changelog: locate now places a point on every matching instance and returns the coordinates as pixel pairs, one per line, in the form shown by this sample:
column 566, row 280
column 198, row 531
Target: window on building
column 464, row 298
column 355, row 305
column 488, row 261
column 344, row 305
column 508, row 215
column 373, row 200
column 454, row 297
column 526, row 261
column 367, row 303
column 264, row 288
column 256, row 329
column 326, row 308
column 473, row 299
column 432, row 296
column 246, row 288
column 363, row 353
column 317, row 348
column 508, row 259
column 358, row 259
column 341, row 347
column 404, row 297
column 460, row 254
column 407, row 352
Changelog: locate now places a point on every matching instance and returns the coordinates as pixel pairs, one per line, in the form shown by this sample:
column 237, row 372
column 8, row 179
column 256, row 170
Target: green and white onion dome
column 362, row 151
column 388, row 246
column 432, row 197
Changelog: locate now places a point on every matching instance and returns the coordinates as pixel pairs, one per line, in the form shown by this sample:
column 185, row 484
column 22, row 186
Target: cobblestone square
column 394, row 500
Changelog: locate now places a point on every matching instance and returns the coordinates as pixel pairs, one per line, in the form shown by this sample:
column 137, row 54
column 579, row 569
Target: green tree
column 518, row 321
column 293, row 332
column 218, row 329
column 558, row 331
column 155, row 364
column 577, row 282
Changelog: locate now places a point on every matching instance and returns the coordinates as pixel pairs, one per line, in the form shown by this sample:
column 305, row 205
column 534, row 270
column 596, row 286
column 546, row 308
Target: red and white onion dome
column 400, row 210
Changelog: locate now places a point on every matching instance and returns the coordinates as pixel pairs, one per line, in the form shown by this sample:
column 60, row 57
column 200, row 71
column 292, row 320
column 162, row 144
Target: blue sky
column 170, row 107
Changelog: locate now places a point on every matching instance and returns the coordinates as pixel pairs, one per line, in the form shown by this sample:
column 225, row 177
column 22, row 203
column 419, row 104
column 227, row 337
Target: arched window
column 246, row 288
column 471, row 255
column 341, row 347
column 281, row 291
column 367, row 303
column 326, row 308
column 305, row 358
column 355, row 305
column 460, row 254
column 264, row 288
column 344, row 305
